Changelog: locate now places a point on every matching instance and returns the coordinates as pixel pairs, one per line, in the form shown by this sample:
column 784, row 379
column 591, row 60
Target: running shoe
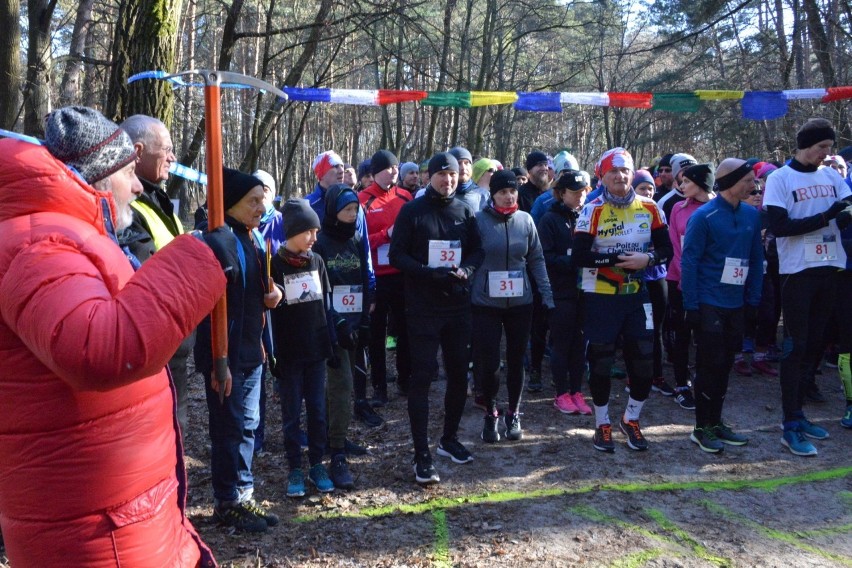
column 763, row 367
column 454, row 450
column 603, row 438
column 811, row 430
column 513, row 426
column 565, row 404
column 318, row 475
column 339, row 473
column 424, row 471
column 490, row 434
column 240, row 518
column 364, row 413
column 534, row 383
column 635, row 439
column 296, row 483
column 661, row 386
column 580, row 403
column 707, row 440
column 742, row 368
column 846, row 421
column 796, row 442
column 683, row 396
column 728, row 436
column 271, row 519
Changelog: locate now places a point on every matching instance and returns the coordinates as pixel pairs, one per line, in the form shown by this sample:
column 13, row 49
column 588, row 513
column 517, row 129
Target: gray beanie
column 407, row 168
column 87, row 141
column 298, row 217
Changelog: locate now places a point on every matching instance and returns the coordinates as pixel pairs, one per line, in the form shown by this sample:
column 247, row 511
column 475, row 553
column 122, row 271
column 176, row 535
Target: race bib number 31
column 735, row 271
column 444, row 253
column 820, row 248
column 347, row 299
column 503, row 284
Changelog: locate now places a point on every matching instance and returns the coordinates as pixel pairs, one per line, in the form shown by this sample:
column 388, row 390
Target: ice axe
column 213, row 82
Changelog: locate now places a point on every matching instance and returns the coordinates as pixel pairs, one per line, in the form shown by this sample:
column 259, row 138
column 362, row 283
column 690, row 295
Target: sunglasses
column 756, row 192
column 664, row 169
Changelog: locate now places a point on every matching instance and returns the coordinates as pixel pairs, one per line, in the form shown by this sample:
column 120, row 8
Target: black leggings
column 489, row 324
column 538, row 340
column 719, row 338
column 390, row 299
column 681, row 334
column 807, row 299
column 567, row 359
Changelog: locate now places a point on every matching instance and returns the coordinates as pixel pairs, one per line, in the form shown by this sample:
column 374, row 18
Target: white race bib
column 820, row 248
column 347, row 299
column 444, row 253
column 649, row 316
column 735, row 271
column 302, row 287
column 505, row 284
column 590, row 278
column 382, row 255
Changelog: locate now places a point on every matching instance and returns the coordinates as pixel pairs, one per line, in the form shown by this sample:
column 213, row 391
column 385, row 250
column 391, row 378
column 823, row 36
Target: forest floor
column 552, row 499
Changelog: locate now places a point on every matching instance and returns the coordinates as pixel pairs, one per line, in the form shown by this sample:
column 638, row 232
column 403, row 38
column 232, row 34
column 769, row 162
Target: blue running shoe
column 846, row 421
column 319, row 477
column 796, row 442
column 296, row 484
column 811, row 430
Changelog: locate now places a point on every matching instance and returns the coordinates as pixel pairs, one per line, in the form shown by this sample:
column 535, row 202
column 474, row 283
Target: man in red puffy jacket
column 92, row 471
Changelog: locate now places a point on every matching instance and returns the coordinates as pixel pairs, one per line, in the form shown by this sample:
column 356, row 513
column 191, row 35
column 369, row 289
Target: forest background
column 59, row 52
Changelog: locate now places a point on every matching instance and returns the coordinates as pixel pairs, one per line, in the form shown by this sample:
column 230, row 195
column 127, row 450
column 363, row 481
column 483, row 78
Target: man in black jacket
column 436, row 245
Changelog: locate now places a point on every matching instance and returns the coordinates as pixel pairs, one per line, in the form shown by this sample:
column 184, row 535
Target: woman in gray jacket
column 502, row 298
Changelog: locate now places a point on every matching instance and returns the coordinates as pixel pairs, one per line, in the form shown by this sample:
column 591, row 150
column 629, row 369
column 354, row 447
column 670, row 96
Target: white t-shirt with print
column 804, row 194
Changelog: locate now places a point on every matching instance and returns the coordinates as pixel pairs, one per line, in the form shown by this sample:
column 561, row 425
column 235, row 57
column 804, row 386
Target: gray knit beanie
column 87, row 141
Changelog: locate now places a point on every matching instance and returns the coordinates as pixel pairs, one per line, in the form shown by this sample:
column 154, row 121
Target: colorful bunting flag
column 387, row 96
column 486, row 98
column 308, row 94
column 630, row 100
column 707, row 95
column 676, row 102
column 764, row 105
column 447, row 99
column 796, row 94
column 837, row 94
column 539, row 102
column 597, row 99
column 355, row 97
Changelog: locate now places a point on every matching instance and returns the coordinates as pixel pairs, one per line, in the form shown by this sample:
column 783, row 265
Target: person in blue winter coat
column 721, row 269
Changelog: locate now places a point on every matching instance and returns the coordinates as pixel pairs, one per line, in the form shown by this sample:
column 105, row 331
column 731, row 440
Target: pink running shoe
column 565, row 404
column 764, row 368
column 580, row 403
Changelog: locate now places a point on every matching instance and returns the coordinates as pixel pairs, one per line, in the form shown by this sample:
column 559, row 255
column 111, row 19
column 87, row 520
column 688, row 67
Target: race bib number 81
column 820, row 248
column 444, row 253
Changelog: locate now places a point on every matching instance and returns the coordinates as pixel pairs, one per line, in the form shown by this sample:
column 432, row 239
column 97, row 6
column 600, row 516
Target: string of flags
column 756, row 105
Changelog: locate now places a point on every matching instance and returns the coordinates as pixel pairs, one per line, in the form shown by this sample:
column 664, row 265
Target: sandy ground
column 552, row 500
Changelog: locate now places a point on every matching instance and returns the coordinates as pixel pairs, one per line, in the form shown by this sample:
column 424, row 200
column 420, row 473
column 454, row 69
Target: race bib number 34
column 347, row 299
column 444, row 253
column 735, row 271
column 820, row 248
column 505, row 284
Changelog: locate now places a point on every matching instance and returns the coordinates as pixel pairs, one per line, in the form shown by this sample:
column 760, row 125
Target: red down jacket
column 90, row 473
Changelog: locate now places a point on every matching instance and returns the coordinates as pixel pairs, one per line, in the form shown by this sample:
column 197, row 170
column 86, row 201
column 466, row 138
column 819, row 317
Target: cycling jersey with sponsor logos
column 617, row 230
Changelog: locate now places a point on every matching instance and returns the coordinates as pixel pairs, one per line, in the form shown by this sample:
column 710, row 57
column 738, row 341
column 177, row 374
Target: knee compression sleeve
column 601, row 357
column 638, row 355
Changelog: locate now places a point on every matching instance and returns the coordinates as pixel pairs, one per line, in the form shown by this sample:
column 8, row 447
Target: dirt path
column 552, row 500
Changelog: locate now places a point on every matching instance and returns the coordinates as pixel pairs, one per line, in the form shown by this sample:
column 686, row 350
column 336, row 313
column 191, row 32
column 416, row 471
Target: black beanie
column 814, row 131
column 298, row 217
column 501, row 180
column 666, row 161
column 461, row 153
column 235, row 185
column 382, row 160
column 846, row 154
column 521, row 171
column 443, row 161
column 534, row 159
column 702, row 175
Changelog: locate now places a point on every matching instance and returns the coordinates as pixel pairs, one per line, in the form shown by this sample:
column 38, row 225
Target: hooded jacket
column 92, row 470
column 511, row 244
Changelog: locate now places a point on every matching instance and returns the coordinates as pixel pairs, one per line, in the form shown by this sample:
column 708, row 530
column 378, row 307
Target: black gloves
column 844, row 218
column 346, row 337
column 441, row 273
column 835, row 209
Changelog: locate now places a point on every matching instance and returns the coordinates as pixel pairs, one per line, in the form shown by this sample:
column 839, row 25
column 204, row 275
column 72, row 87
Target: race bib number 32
column 444, row 253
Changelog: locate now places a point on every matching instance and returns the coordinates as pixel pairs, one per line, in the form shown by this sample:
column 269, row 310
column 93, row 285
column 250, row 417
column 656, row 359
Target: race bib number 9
column 302, row 287
column 735, row 271
column 820, row 248
column 444, row 253
column 347, row 299
column 505, row 284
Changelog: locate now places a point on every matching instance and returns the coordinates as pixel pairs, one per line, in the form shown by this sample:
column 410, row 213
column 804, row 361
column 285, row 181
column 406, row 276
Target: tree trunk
column 10, row 65
column 69, row 91
column 822, row 49
column 442, row 74
column 37, row 87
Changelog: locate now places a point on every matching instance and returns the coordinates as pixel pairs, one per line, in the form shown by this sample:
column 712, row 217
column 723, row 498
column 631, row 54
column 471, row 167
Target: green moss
column 637, row 559
column 697, row 548
column 441, row 553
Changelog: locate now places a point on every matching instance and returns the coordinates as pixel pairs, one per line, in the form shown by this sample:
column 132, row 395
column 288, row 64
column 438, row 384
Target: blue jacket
column 272, row 228
column 317, row 201
column 541, row 205
column 716, row 232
